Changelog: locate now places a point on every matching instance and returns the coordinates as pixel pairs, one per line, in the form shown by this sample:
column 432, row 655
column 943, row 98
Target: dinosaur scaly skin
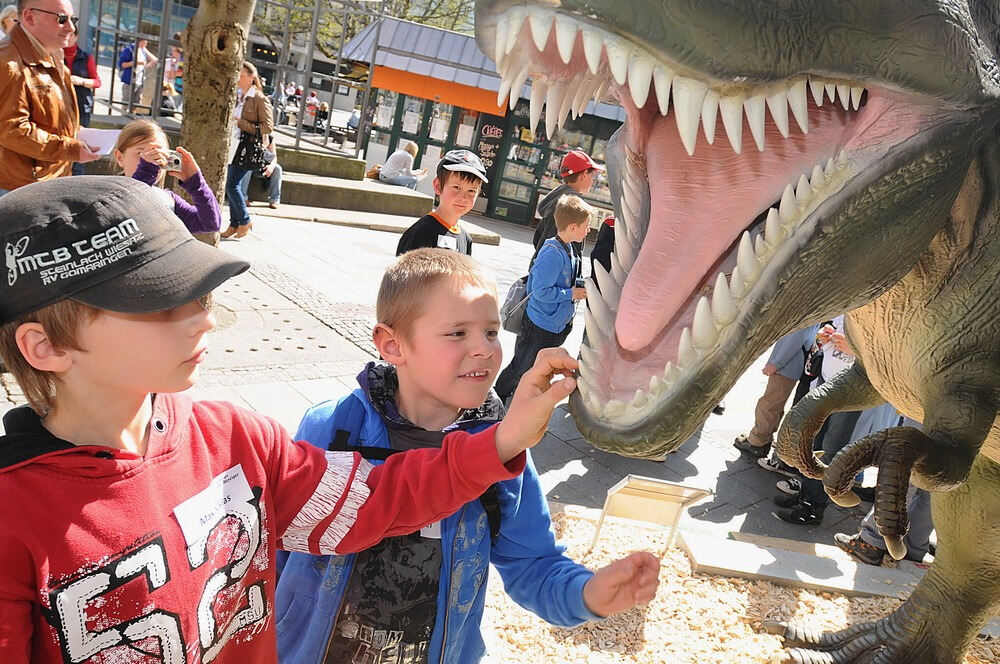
column 781, row 162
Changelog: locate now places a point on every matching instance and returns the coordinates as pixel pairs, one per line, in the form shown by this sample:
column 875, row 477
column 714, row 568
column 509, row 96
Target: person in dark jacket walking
column 577, row 171
column 83, row 75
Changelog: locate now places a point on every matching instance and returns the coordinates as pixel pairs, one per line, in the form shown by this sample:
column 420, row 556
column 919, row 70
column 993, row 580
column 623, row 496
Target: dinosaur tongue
column 700, row 205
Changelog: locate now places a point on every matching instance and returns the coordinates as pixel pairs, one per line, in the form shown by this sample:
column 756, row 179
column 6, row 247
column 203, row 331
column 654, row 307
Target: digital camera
column 173, row 161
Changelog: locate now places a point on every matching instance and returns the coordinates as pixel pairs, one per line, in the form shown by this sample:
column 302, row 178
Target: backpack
column 348, row 420
column 512, row 310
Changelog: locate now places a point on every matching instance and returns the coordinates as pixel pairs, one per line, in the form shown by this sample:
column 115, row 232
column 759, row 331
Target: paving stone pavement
column 295, row 329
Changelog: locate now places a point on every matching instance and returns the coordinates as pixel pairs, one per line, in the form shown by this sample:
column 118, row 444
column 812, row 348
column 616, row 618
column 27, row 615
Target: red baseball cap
column 577, row 161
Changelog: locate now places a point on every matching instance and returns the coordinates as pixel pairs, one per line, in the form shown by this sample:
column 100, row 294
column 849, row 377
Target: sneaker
column 801, row 514
column 859, row 549
column 781, row 500
column 791, row 486
column 776, row 465
column 743, row 444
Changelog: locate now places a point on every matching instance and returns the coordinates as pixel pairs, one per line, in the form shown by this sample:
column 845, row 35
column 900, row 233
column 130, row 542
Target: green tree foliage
column 337, row 25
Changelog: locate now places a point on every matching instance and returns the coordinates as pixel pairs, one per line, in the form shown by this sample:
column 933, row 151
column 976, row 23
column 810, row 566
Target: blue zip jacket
column 535, row 571
column 550, row 287
column 788, row 354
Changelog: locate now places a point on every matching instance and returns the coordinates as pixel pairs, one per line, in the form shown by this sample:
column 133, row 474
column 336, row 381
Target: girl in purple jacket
column 142, row 152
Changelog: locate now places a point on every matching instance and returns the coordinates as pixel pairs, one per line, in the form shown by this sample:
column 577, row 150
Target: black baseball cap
column 465, row 161
column 107, row 241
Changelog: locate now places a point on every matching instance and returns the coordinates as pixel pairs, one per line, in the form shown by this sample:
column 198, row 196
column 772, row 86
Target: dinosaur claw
column 894, row 544
column 772, row 627
column 849, row 499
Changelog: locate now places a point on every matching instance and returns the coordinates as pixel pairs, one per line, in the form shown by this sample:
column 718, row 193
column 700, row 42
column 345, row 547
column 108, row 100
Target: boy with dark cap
column 460, row 174
column 139, row 524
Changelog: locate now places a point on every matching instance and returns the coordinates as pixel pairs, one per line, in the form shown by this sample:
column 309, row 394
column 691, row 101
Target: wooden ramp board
column 749, row 560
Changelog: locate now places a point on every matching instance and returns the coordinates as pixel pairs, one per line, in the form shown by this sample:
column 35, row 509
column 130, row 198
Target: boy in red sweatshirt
column 142, row 526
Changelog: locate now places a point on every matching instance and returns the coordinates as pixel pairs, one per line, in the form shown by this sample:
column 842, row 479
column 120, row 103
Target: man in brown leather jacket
column 38, row 114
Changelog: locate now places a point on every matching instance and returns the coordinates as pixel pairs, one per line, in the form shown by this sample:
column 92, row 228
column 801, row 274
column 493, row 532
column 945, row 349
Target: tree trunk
column 214, row 47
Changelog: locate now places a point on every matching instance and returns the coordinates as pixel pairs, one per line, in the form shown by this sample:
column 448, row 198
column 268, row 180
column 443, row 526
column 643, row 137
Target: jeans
column 409, row 181
column 839, row 427
column 273, row 185
column 235, row 188
column 78, row 168
column 531, row 340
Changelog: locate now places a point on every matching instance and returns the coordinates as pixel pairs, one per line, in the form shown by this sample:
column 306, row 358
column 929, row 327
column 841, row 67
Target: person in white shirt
column 398, row 168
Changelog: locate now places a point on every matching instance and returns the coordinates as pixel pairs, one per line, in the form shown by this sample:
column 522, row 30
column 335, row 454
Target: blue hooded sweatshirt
column 550, row 287
column 535, row 571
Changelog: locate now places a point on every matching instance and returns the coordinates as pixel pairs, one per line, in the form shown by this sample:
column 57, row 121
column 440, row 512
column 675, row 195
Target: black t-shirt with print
column 429, row 232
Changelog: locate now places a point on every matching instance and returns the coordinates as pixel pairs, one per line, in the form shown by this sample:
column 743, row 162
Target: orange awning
column 425, row 87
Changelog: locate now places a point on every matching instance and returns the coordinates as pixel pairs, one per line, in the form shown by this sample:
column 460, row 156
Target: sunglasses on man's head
column 60, row 18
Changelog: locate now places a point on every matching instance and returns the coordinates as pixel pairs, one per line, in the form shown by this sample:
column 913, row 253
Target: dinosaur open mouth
column 706, row 213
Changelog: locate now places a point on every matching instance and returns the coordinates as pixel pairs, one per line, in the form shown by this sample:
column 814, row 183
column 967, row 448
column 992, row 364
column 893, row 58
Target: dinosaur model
column 783, row 161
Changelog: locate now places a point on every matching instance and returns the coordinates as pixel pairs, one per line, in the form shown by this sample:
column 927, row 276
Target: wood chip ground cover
column 694, row 618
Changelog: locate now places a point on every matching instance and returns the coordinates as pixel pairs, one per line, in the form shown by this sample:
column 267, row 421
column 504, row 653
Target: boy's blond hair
column 571, row 210
column 405, row 285
column 61, row 322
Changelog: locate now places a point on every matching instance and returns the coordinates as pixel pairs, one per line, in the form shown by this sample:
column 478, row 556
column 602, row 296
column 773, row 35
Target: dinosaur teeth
column 703, row 330
column 538, row 91
column 777, row 103
column 640, row 73
column 754, row 107
column 709, row 112
column 603, row 315
column 731, row 109
column 613, row 60
column 515, row 21
column 689, row 96
column 618, row 56
column 566, row 29
column 663, row 78
column 713, row 315
column 540, row 22
column 799, row 104
column 746, row 259
column 593, row 45
column 723, row 305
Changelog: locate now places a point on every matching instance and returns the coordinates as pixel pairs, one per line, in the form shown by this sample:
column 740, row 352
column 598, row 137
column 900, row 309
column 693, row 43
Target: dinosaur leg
column 936, row 459
column 956, row 597
column 848, row 390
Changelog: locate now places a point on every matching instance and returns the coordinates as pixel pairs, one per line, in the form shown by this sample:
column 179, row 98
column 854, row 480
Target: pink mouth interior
column 701, row 204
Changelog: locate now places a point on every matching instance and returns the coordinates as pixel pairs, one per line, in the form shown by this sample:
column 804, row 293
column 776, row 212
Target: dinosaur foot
column 892, row 640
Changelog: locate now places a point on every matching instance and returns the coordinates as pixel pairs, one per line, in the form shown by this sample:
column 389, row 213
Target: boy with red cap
column 577, row 171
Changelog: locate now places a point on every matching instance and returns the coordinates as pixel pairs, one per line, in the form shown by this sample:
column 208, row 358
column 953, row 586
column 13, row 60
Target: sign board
column 649, row 499
column 488, row 143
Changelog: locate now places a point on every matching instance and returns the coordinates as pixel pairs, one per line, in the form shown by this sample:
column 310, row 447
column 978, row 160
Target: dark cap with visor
column 109, row 242
column 464, row 161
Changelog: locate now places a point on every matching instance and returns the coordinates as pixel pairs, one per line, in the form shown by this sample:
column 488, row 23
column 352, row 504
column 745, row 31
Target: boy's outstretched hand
column 623, row 584
column 533, row 401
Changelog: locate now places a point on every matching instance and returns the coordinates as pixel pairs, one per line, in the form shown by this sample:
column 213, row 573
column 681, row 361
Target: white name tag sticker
column 433, row 531
column 447, row 242
column 198, row 514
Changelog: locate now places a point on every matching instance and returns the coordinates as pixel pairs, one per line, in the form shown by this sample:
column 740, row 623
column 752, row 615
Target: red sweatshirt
column 108, row 557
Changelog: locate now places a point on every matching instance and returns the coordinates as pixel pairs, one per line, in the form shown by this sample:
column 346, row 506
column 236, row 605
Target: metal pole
column 161, row 65
column 366, row 101
column 309, row 67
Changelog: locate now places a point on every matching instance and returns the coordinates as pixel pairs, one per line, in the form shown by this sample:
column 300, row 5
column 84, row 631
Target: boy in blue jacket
column 552, row 290
column 420, row 598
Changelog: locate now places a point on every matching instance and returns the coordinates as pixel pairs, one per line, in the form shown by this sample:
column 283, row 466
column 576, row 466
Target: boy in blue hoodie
column 552, row 291
column 420, row 597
